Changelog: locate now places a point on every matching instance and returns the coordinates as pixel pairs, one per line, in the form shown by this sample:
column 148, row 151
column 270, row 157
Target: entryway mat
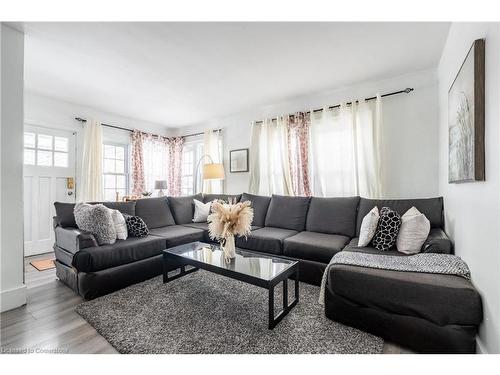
column 43, row 264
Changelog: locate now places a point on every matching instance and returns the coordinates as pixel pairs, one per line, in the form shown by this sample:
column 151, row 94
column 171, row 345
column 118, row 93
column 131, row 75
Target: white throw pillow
column 201, row 211
column 368, row 227
column 120, row 225
column 415, row 228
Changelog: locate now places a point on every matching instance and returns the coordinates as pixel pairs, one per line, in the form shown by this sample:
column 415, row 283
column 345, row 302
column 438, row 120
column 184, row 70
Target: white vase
column 229, row 248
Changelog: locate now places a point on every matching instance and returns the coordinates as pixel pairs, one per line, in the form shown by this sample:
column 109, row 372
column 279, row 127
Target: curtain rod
column 131, row 130
column 405, row 91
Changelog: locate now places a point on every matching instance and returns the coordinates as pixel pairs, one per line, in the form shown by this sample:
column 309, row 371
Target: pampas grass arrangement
column 228, row 220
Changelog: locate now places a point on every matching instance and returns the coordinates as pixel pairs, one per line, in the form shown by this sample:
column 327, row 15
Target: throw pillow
column 368, row 227
column 415, row 228
column 201, row 211
column 136, row 227
column 120, row 225
column 96, row 219
column 387, row 230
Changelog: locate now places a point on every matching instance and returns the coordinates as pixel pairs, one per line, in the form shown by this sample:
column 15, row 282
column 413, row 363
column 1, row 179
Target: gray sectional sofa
column 421, row 311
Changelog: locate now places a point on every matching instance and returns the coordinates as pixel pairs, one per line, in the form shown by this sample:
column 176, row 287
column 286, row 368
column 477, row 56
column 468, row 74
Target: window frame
column 126, row 167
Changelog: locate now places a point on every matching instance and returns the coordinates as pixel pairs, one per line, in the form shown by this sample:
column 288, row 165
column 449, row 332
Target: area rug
column 43, row 264
column 206, row 313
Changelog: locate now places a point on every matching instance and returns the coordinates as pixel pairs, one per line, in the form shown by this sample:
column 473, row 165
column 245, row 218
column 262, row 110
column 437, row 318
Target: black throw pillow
column 136, row 227
column 387, row 229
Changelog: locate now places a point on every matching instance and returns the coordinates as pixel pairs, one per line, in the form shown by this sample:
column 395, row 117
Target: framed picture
column 466, row 119
column 238, row 160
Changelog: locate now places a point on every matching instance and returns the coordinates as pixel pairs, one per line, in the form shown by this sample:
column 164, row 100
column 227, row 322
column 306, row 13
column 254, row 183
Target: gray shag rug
column 206, row 313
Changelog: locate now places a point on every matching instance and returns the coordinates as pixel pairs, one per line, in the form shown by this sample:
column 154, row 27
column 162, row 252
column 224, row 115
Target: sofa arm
column 73, row 239
column 437, row 242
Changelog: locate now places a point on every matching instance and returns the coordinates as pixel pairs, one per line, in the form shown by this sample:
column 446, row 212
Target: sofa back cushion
column 432, row 208
column 260, row 204
column 155, row 212
column 225, row 197
column 183, row 208
column 287, row 212
column 333, row 215
column 65, row 217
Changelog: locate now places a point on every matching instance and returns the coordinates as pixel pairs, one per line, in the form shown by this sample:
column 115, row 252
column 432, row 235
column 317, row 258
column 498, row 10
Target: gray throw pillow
column 96, row 219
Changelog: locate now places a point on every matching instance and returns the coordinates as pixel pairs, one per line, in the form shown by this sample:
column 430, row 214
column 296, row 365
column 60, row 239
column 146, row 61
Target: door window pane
column 61, row 144
column 29, row 157
column 29, row 140
column 45, row 141
column 44, row 158
column 61, row 159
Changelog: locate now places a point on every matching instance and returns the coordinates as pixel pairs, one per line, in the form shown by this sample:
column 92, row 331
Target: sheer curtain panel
column 345, row 151
column 270, row 171
column 91, row 176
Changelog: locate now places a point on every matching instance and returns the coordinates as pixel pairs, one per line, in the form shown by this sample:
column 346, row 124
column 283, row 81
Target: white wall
column 12, row 288
column 472, row 209
column 410, row 122
column 44, row 111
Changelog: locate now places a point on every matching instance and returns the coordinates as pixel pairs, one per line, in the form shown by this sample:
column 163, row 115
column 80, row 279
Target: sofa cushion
column 265, row 240
column 320, row 247
column 183, row 208
column 333, row 215
column 287, row 212
column 432, row 208
column 260, row 204
column 178, row 234
column 65, row 217
column 92, row 259
column 155, row 212
column 353, row 246
column 225, row 197
column 441, row 299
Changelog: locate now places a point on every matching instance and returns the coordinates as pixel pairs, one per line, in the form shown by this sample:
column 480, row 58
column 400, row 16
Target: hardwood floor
column 48, row 322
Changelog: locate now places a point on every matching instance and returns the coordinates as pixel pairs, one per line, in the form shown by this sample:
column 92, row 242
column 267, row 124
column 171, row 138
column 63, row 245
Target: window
column 192, row 152
column 45, row 150
column 115, row 171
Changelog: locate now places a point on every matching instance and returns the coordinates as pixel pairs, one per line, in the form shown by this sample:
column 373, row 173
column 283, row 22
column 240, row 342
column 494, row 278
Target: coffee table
column 265, row 271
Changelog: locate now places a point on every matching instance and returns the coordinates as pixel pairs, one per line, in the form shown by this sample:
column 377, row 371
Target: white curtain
column 345, row 150
column 155, row 160
column 212, row 146
column 91, row 176
column 269, row 169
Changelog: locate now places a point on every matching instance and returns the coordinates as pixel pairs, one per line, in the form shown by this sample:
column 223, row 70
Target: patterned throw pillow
column 387, row 230
column 136, row 227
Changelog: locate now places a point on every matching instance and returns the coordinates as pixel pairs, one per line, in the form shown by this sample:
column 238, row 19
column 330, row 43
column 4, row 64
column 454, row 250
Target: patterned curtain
column 138, row 184
column 175, row 146
column 298, row 152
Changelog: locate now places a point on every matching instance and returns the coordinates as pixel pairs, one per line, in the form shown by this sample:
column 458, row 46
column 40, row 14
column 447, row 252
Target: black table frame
column 172, row 262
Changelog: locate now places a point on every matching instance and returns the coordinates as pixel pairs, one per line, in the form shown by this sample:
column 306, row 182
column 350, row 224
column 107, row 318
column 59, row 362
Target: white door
column 49, row 170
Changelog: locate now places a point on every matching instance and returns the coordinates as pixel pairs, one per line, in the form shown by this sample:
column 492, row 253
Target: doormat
column 43, row 264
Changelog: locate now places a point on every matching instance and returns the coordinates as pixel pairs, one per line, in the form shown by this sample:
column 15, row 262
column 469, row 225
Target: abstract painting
column 238, row 160
column 466, row 119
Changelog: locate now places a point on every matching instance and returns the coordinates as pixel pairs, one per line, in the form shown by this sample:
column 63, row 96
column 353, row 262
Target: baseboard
column 12, row 298
column 480, row 347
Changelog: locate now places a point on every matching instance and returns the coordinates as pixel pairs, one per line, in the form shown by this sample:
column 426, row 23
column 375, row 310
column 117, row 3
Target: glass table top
column 265, row 267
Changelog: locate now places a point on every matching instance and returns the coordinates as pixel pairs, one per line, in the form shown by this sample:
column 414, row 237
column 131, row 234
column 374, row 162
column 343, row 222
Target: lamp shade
column 160, row 184
column 213, row 171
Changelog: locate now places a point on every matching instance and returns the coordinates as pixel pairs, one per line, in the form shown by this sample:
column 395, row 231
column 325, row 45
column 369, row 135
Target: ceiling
column 179, row 74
